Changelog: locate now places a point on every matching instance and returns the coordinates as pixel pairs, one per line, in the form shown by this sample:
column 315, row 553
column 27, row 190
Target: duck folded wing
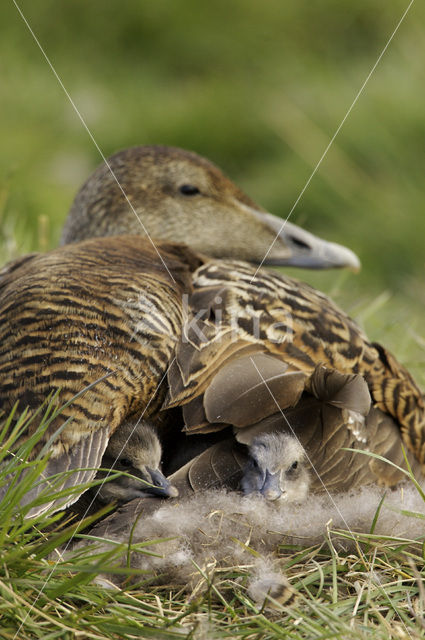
column 328, row 397
column 94, row 324
column 245, row 389
column 69, row 469
column 251, row 388
column 332, row 417
column 246, row 314
column 327, row 411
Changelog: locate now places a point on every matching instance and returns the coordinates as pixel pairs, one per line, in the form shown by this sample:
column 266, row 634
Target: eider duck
column 107, row 314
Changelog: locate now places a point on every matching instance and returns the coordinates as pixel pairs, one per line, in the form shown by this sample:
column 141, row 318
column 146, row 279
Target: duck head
column 277, row 468
column 136, row 450
column 176, row 195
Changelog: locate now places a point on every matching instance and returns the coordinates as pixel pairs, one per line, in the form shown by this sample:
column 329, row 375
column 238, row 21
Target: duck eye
column 125, row 462
column 189, row 190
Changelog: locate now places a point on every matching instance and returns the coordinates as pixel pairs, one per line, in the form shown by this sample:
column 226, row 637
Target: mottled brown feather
column 237, row 394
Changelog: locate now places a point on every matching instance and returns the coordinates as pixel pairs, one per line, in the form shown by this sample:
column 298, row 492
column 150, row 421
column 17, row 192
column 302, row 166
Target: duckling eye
column 125, row 462
column 189, row 190
column 294, row 465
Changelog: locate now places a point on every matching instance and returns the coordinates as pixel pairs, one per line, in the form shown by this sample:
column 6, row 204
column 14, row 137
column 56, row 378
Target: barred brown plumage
column 78, row 316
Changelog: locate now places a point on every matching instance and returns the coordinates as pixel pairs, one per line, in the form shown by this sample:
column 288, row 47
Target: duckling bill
column 136, row 450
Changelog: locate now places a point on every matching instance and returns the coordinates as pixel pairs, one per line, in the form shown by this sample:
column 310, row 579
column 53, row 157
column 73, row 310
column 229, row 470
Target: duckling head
column 136, row 450
column 277, row 468
column 176, row 195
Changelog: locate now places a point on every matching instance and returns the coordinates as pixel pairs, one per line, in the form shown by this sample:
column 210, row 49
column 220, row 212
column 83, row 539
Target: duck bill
column 303, row 249
column 160, row 486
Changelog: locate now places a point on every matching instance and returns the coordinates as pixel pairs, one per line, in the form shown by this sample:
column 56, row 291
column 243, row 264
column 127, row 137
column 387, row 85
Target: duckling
column 176, row 195
column 276, row 468
column 272, row 464
column 134, row 449
column 96, row 323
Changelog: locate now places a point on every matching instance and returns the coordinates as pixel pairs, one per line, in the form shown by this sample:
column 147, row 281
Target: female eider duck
column 109, row 315
column 100, row 319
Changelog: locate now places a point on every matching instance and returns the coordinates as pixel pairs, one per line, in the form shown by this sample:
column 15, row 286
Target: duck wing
column 254, row 341
column 66, row 471
column 95, row 323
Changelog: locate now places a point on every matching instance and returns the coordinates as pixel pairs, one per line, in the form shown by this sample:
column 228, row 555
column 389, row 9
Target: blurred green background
column 259, row 88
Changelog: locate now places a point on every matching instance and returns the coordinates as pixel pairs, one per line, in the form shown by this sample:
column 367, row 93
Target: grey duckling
column 276, row 468
column 135, row 450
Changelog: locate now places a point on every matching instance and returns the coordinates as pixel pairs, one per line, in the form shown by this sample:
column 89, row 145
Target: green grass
column 48, row 587
column 259, row 89
column 375, row 590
